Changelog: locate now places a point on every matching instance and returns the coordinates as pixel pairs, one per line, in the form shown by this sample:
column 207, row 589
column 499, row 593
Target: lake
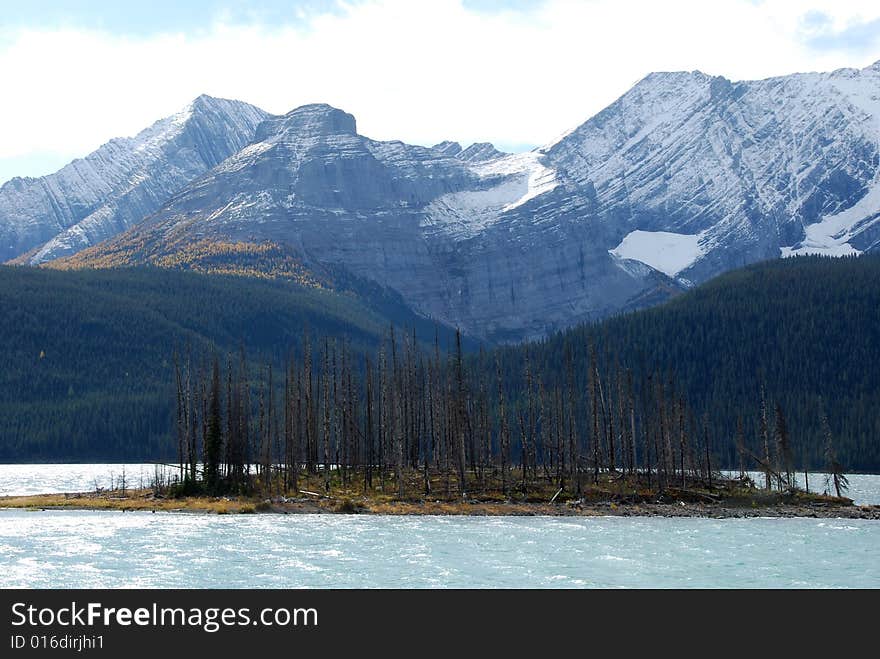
column 78, row 549
column 72, row 549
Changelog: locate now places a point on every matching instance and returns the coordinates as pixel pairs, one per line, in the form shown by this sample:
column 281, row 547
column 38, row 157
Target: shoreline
column 145, row 501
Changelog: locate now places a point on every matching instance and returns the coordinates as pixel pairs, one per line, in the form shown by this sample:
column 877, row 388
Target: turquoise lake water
column 81, row 549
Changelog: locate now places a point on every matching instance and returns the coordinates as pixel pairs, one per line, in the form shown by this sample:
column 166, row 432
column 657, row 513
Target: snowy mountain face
column 492, row 245
column 682, row 178
column 723, row 174
column 115, row 187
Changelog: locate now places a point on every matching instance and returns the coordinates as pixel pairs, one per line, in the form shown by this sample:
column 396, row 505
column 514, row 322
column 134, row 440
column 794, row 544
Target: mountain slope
column 86, row 367
column 115, row 187
column 684, row 177
column 744, row 170
column 467, row 241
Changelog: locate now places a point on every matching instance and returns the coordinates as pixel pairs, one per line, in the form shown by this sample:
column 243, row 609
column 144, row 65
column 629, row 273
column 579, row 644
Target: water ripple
column 72, row 549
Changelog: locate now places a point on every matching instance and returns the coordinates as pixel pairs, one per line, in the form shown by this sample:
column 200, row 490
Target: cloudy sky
column 517, row 73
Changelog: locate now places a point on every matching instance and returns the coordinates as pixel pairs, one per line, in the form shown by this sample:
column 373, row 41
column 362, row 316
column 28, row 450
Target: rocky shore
column 146, row 501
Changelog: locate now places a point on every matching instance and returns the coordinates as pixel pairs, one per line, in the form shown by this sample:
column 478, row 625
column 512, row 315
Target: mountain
column 115, row 187
column 477, row 152
column 806, row 329
column 704, row 174
column 682, row 178
column 86, row 361
column 481, row 244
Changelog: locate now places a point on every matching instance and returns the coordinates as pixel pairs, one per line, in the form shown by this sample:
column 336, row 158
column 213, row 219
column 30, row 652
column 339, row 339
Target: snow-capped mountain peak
column 758, row 167
column 96, row 197
column 683, row 177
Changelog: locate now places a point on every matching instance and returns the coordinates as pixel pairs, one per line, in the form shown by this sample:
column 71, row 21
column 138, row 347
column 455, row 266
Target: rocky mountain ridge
column 110, row 190
column 684, row 177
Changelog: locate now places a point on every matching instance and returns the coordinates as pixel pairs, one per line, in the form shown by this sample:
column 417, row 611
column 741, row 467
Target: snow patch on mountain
column 510, row 182
column 831, row 236
column 533, row 177
column 670, row 253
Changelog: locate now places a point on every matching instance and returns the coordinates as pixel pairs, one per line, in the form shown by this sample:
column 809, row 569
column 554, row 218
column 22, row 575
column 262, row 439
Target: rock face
column 682, row 178
column 731, row 173
column 460, row 240
column 115, row 187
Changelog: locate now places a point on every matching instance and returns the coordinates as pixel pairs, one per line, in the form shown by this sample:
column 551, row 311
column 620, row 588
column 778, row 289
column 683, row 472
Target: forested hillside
column 806, row 329
column 87, row 373
column 86, row 359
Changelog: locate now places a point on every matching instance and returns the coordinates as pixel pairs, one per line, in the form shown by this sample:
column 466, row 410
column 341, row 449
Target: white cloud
column 416, row 71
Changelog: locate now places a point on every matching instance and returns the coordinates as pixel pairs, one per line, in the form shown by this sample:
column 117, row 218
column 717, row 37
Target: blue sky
column 856, row 37
column 518, row 73
column 145, row 18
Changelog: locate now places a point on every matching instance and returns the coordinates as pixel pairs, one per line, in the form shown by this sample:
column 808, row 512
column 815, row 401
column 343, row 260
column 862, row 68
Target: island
column 613, row 495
